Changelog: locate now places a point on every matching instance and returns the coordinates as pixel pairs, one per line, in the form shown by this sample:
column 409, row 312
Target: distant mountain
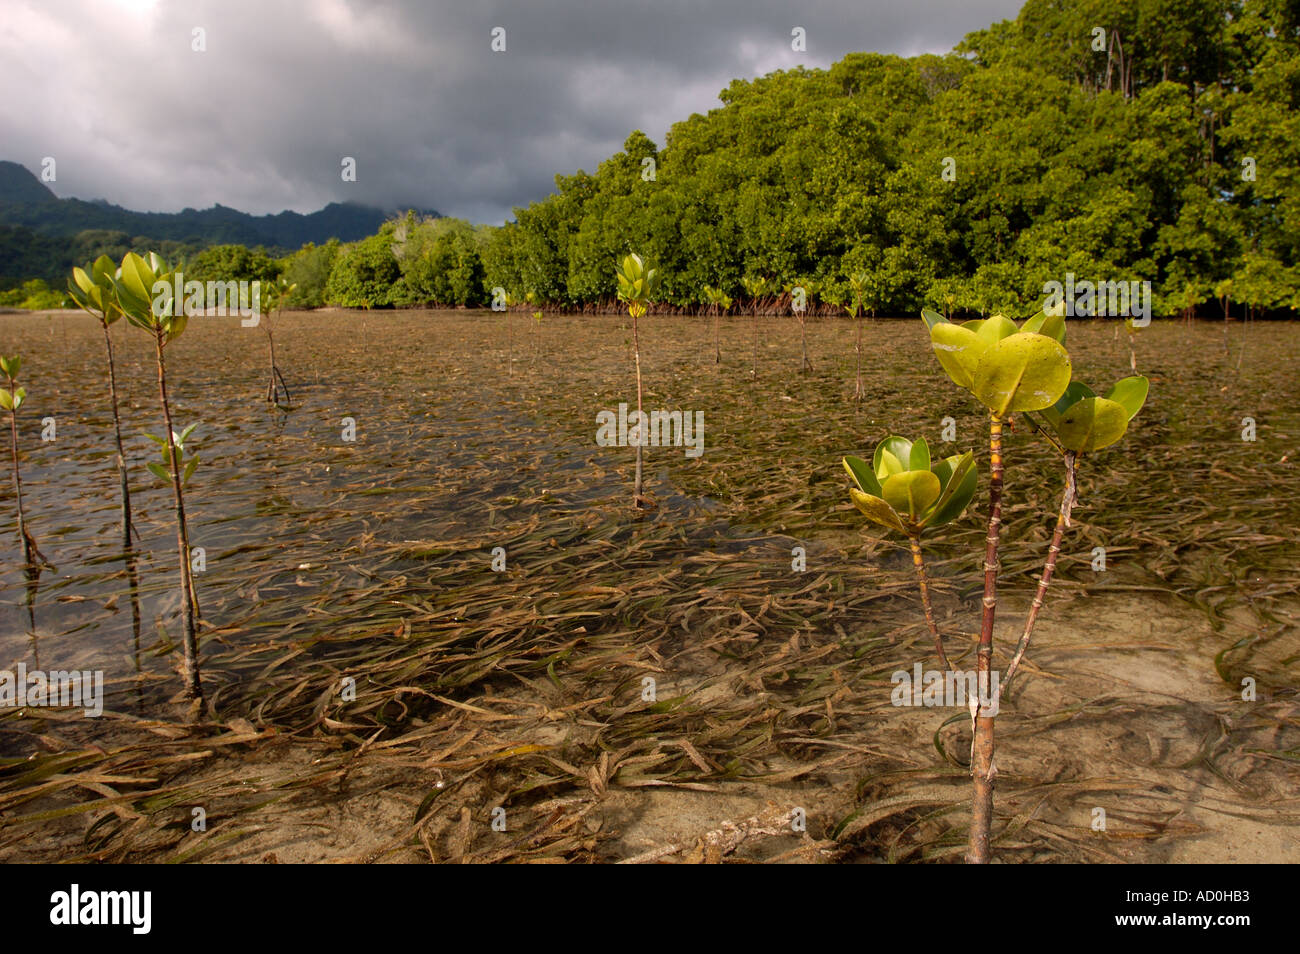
column 25, row 202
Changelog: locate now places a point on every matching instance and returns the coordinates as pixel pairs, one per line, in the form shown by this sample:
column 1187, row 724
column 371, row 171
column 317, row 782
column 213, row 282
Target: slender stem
column 117, row 434
column 923, row 580
column 858, row 393
column 270, row 344
column 18, row 482
column 803, row 334
column 717, row 341
column 190, row 644
column 1068, row 499
column 640, row 417
column 982, row 766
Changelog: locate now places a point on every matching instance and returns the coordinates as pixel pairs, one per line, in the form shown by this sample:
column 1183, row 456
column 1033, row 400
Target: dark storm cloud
column 260, row 121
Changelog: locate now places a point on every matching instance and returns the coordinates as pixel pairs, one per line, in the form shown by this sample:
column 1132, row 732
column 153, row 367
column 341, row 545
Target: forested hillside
column 1170, row 152
column 1151, row 140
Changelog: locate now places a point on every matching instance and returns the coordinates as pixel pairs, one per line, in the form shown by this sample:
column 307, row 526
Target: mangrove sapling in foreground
column 902, row 489
column 12, row 397
column 1078, row 424
column 1021, row 370
column 636, row 286
column 1009, row 370
column 92, row 289
column 143, row 290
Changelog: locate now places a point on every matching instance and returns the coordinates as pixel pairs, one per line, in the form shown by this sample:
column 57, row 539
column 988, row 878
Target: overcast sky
column 261, row 120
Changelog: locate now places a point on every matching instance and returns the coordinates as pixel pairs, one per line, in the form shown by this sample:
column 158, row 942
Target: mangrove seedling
column 902, row 489
column 511, row 300
column 92, row 289
column 858, row 285
column 636, row 286
column 720, row 303
column 800, row 308
column 1078, row 424
column 535, row 301
column 755, row 288
column 143, row 289
column 12, row 397
column 1010, row 370
column 271, row 298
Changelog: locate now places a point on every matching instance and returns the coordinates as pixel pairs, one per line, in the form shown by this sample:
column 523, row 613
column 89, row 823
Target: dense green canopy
column 1110, row 140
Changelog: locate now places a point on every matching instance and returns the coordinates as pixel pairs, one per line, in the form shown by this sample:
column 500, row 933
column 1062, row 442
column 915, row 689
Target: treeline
column 1150, row 140
column 1155, row 140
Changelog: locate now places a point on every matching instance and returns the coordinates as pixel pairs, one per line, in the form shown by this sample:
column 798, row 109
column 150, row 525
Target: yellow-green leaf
column 876, row 510
column 1092, row 424
column 1022, row 372
column 912, row 492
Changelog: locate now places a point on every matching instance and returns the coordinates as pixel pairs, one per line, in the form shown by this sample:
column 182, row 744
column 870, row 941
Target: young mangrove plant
column 534, row 301
column 755, row 288
column 143, row 290
column 511, row 300
column 858, row 286
column 799, row 305
column 271, row 298
column 636, row 286
column 1009, row 370
column 92, row 289
column 1021, row 370
column 1078, row 424
column 902, row 489
column 719, row 303
column 12, row 397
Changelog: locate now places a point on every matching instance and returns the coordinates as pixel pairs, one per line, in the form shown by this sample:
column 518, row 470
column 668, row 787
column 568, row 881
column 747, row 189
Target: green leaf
column 6, row 399
column 891, row 456
column 102, row 270
column 132, row 289
column 158, row 471
column 876, row 510
column 1075, row 393
column 83, row 280
column 932, row 318
column 176, row 324
column 187, row 432
column 862, row 475
column 189, row 469
column 995, row 329
column 959, row 478
column 958, row 350
column 912, row 492
column 1092, row 424
column 1130, row 393
column 920, row 456
column 1043, row 324
column 20, row 395
column 161, row 442
column 1022, row 372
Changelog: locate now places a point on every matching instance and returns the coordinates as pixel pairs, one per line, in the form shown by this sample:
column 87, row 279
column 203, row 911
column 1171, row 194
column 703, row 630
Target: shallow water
column 451, row 443
column 373, row 559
